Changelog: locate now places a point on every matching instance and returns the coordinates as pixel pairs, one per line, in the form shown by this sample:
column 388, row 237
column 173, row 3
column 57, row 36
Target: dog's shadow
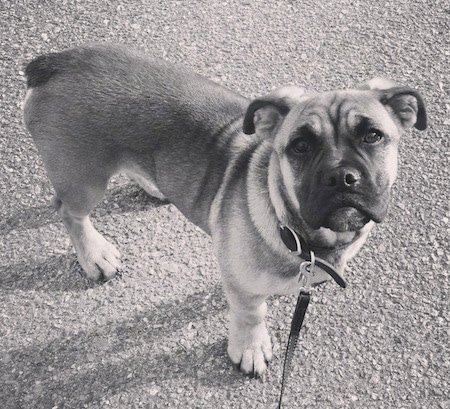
column 57, row 273
column 48, row 274
column 140, row 353
column 122, row 199
column 135, row 353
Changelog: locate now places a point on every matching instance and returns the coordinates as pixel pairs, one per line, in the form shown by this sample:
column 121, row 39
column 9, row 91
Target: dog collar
column 297, row 246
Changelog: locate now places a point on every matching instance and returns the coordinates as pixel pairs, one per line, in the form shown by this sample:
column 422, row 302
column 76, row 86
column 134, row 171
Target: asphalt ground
column 156, row 337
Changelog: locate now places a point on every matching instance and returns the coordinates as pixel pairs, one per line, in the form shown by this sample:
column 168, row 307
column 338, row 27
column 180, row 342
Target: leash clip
column 307, row 273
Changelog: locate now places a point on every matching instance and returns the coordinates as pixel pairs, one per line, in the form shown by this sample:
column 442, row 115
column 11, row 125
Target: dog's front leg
column 249, row 345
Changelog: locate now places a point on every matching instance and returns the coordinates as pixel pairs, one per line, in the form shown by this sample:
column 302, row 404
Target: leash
column 297, row 246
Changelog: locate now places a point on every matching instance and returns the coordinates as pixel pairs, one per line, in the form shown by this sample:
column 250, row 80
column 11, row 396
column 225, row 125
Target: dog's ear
column 265, row 115
column 408, row 105
column 405, row 103
column 377, row 83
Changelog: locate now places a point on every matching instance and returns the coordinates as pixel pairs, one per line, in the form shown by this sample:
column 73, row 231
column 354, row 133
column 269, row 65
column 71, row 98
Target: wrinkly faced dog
column 321, row 164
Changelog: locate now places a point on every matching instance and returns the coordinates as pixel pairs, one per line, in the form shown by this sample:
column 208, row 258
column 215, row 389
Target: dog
column 320, row 164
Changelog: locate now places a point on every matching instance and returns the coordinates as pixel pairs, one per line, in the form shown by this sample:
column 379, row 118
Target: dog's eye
column 372, row 136
column 301, row 146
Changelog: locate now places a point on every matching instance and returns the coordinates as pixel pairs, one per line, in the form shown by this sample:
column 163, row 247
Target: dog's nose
column 341, row 178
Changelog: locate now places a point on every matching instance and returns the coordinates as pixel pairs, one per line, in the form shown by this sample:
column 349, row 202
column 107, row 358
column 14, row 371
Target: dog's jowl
column 322, row 164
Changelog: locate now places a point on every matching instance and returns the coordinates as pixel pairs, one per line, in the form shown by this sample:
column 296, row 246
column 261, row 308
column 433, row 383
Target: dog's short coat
column 322, row 164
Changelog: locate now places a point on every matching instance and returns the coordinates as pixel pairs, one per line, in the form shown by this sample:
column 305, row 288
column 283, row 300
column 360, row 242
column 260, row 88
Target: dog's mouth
column 346, row 219
column 350, row 213
column 345, row 211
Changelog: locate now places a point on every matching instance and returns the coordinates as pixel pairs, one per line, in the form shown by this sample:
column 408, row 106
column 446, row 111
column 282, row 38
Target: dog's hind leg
column 98, row 257
column 79, row 170
column 80, row 181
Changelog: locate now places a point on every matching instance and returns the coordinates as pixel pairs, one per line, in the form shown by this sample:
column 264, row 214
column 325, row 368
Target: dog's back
column 97, row 84
column 97, row 110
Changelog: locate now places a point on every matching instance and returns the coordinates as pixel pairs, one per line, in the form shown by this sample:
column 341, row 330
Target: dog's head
column 334, row 157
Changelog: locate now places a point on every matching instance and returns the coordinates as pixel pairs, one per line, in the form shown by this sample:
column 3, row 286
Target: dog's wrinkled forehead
column 332, row 113
column 390, row 111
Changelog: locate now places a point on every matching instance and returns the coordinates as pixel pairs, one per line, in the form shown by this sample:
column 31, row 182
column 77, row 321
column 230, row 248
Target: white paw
column 99, row 258
column 250, row 349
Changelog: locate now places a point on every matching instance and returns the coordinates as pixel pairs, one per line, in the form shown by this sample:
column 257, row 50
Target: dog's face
column 335, row 153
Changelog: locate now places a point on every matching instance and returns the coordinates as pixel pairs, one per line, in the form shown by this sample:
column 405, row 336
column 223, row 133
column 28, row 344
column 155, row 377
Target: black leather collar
column 297, row 245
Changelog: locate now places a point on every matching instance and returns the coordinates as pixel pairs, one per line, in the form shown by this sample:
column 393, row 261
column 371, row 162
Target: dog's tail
column 43, row 68
column 47, row 66
column 40, row 70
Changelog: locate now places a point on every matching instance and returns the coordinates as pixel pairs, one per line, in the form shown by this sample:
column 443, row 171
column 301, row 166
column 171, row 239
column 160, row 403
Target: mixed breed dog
column 320, row 164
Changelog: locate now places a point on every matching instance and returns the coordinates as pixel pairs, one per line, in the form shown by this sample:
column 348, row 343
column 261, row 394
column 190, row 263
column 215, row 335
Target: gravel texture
column 156, row 336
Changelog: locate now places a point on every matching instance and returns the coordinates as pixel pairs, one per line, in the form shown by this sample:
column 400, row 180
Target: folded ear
column 265, row 115
column 405, row 103
column 377, row 83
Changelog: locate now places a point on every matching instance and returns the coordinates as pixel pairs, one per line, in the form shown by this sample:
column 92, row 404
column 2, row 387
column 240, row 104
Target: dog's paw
column 250, row 350
column 99, row 258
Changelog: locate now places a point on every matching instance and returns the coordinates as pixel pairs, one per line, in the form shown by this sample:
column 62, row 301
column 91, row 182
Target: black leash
column 297, row 246
column 296, row 325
